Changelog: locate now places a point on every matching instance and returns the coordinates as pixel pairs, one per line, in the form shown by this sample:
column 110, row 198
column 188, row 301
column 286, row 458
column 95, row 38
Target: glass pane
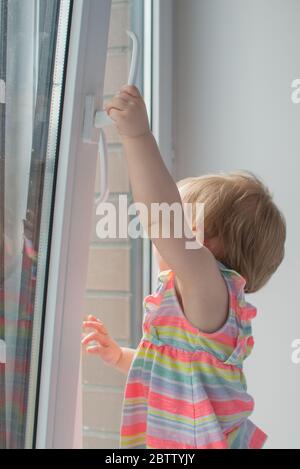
column 114, row 284
column 33, row 36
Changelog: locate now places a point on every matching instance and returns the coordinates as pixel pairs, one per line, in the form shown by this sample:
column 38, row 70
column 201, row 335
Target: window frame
column 57, row 416
column 163, row 88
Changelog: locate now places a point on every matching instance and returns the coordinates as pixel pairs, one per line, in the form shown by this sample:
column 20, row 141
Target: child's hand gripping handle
column 101, row 117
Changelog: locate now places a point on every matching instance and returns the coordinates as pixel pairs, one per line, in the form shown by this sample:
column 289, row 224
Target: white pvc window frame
column 160, row 14
column 58, row 422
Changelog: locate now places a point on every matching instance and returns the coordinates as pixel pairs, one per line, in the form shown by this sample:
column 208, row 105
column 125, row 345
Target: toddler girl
column 185, row 386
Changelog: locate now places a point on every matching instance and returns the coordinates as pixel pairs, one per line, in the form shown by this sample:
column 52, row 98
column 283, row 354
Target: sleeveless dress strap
column 244, row 312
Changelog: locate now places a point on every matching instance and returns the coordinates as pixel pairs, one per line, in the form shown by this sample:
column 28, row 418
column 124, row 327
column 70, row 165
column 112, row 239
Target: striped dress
column 185, row 388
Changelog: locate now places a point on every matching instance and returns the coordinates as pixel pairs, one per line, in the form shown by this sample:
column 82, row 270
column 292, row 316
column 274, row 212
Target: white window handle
column 99, row 119
column 103, row 167
column 102, row 119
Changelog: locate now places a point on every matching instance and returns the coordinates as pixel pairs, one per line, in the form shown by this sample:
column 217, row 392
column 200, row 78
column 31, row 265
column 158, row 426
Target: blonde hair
column 239, row 211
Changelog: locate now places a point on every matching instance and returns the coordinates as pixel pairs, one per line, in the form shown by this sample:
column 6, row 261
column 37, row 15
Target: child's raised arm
column 204, row 294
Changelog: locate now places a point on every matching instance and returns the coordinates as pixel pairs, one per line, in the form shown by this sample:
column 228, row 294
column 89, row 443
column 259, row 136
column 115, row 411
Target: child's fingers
column 96, row 350
column 92, row 337
column 131, row 90
column 98, row 326
column 102, row 339
column 90, row 317
column 93, row 349
column 115, row 114
column 129, row 98
column 117, row 102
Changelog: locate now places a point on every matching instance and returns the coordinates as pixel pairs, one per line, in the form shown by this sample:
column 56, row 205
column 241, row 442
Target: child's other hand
column 99, row 342
column 127, row 108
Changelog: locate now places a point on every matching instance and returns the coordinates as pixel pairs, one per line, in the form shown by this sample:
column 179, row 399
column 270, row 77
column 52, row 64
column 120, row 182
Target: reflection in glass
column 32, row 37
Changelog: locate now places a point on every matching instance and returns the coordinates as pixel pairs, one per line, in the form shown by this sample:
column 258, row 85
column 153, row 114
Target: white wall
column 235, row 61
